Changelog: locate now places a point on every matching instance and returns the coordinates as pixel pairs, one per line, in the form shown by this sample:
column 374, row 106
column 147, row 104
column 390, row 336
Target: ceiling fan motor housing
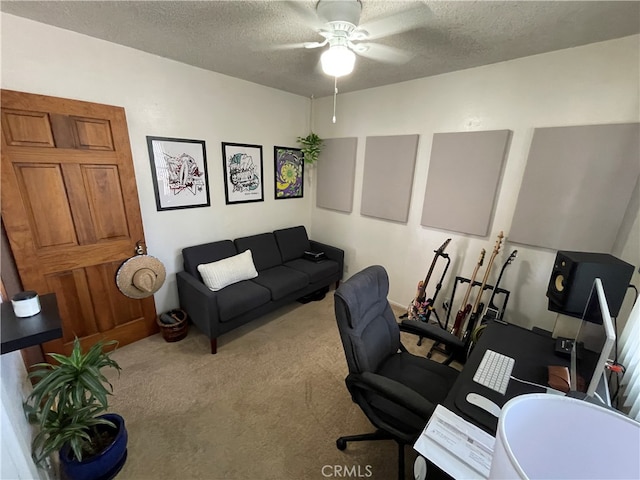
column 343, row 15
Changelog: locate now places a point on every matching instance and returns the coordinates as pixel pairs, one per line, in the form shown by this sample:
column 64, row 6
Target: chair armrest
column 333, row 253
column 199, row 302
column 393, row 391
column 423, row 329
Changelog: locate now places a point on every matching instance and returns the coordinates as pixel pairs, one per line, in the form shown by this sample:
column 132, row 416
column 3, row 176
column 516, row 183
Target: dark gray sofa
column 283, row 277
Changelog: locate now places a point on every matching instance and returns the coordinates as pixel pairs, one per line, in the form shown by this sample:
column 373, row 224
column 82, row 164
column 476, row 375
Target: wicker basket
column 174, row 332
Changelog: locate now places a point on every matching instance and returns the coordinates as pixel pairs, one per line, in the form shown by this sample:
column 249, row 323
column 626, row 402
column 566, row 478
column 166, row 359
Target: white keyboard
column 494, row 371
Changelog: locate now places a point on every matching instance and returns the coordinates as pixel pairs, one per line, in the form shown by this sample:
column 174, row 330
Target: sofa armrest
column 332, row 253
column 199, row 302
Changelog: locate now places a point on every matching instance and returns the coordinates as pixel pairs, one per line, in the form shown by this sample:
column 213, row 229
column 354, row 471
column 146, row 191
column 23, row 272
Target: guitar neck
column 490, row 303
column 422, row 289
column 465, row 300
column 470, row 287
column 476, row 305
column 486, row 273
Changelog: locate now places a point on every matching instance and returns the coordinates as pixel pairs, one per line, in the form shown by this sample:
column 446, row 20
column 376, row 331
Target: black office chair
column 396, row 390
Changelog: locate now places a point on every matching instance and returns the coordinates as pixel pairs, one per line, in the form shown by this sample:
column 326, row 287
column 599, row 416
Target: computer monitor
column 594, row 341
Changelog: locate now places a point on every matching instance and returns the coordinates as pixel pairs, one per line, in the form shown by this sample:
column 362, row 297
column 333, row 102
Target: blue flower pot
column 103, row 466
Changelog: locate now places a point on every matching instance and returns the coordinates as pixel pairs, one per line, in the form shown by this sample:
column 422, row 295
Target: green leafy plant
column 67, row 401
column 311, row 147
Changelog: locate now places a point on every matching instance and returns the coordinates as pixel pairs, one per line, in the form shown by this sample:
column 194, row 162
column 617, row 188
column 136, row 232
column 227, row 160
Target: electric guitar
column 475, row 313
column 465, row 307
column 492, row 311
column 418, row 308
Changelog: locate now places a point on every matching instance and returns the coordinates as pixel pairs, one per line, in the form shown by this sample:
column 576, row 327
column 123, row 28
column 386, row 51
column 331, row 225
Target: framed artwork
column 242, row 165
column 179, row 170
column 289, row 172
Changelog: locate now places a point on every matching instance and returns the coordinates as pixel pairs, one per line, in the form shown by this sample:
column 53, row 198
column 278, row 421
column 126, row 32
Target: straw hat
column 140, row 276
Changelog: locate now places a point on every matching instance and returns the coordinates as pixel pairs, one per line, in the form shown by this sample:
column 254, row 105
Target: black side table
column 17, row 333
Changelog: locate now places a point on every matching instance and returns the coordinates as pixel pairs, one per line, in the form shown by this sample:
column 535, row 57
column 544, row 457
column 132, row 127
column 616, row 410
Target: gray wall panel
column 577, row 186
column 389, row 164
column 464, row 174
column 336, row 170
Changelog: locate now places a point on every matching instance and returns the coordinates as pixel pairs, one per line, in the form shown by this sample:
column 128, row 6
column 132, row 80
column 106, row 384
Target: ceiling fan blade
column 383, row 53
column 358, row 47
column 358, row 35
column 398, row 22
column 315, row 44
column 282, row 47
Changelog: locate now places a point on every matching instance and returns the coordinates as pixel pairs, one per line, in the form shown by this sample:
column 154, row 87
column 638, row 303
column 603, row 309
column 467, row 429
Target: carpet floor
column 269, row 405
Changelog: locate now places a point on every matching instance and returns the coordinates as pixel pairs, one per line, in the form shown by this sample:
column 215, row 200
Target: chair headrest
column 364, row 289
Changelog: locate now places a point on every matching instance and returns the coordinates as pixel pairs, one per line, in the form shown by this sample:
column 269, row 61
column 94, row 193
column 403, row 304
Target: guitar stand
column 437, row 347
column 432, row 301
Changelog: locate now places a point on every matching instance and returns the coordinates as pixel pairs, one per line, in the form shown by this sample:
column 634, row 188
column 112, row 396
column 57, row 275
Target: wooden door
column 71, row 212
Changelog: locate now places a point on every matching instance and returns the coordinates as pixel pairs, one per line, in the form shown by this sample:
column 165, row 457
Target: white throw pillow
column 217, row 275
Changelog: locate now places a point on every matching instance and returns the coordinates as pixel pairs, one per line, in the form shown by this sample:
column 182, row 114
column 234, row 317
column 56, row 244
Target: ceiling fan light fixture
column 338, row 61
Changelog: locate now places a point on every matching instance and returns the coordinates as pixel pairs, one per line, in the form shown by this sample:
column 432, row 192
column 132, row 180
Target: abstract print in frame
column 242, row 166
column 179, row 170
column 289, row 172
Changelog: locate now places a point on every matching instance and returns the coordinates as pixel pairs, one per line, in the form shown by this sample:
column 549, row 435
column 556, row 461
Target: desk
column 532, row 351
column 18, row 333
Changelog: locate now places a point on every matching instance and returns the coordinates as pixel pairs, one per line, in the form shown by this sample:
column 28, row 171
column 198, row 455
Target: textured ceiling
column 248, row 39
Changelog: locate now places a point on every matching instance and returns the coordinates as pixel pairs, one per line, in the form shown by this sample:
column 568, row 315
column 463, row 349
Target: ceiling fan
column 341, row 31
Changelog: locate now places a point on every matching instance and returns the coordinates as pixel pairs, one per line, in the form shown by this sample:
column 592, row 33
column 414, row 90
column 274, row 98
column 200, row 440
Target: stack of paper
column 458, row 447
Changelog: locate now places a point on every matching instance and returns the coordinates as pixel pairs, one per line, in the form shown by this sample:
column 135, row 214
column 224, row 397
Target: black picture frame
column 288, row 173
column 243, row 173
column 179, row 171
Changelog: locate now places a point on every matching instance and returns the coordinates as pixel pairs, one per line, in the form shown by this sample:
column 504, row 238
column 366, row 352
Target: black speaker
column 573, row 275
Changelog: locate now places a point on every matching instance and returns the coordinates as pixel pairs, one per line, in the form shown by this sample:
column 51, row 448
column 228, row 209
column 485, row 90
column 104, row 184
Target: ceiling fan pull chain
column 335, row 94
column 311, row 114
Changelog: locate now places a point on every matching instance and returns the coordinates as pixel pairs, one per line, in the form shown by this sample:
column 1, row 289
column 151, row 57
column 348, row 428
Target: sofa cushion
column 264, row 249
column 292, row 242
column 239, row 298
column 281, row 281
column 217, row 275
column 316, row 271
column 206, row 253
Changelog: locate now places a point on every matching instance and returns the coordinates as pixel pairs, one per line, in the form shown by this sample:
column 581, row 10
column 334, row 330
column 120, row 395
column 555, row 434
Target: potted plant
column 67, row 404
column 311, row 147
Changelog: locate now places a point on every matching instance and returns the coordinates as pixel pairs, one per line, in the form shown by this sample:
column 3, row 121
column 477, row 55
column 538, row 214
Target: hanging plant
column 311, row 147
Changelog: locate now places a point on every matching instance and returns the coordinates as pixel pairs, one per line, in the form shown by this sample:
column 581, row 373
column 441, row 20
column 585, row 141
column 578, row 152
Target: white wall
column 166, row 98
column 595, row 84
column 587, row 85
column 15, row 447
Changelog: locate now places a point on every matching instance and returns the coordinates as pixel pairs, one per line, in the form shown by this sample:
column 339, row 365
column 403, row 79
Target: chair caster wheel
column 341, row 444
